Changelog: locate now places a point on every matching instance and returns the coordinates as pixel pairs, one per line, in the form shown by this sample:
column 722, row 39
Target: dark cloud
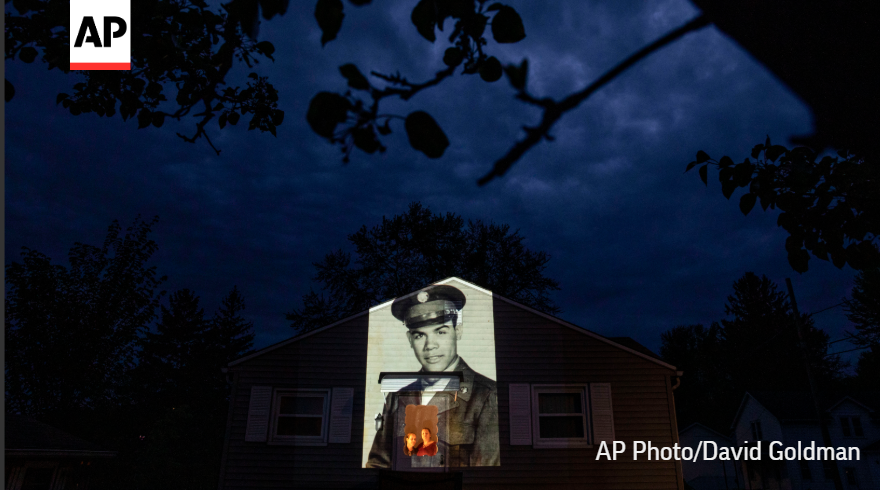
column 637, row 245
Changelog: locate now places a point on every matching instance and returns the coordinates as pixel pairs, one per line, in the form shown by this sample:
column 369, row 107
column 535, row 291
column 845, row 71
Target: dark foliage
column 181, row 52
column 830, row 205
column 186, row 392
column 358, row 112
column 863, row 309
column 761, row 338
column 72, row 332
column 868, row 371
column 703, row 393
column 81, row 356
column 414, row 249
column 755, row 349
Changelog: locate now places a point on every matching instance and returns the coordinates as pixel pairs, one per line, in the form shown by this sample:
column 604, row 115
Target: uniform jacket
column 467, row 426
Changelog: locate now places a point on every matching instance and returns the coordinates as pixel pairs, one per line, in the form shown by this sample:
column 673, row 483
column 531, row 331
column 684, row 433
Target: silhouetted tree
column 863, row 309
column 72, row 332
column 177, row 357
column 867, row 376
column 230, row 333
column 703, row 395
column 755, row 350
column 761, row 338
column 416, row 248
column 182, row 362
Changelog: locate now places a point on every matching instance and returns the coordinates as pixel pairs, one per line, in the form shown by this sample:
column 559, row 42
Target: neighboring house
column 513, row 398
column 708, row 475
column 790, row 418
column 41, row 457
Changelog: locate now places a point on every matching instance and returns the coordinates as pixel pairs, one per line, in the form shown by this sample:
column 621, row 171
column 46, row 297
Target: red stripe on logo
column 100, row 66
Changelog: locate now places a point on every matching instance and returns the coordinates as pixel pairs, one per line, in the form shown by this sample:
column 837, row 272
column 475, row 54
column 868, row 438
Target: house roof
column 623, row 343
column 28, row 437
column 634, row 345
column 851, row 399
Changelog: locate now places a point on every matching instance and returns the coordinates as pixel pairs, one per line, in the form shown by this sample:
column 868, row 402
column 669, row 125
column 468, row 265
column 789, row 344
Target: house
column 779, row 420
column 701, row 474
column 41, row 457
column 450, row 386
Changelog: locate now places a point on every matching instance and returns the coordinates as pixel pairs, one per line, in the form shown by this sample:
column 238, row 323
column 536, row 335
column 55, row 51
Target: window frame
column 569, row 442
column 275, row 439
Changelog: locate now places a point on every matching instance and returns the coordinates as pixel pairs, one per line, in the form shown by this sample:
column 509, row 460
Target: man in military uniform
column 468, row 419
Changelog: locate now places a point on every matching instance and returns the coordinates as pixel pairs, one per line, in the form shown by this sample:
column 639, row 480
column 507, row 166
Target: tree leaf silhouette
column 490, row 70
column 507, row 26
column 329, row 15
column 356, row 79
column 425, row 134
column 326, row 110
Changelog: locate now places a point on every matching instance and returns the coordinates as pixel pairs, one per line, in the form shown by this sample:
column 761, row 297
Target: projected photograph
column 431, row 397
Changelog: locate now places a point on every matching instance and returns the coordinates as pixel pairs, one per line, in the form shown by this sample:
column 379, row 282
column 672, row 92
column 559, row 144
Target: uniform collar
column 466, row 387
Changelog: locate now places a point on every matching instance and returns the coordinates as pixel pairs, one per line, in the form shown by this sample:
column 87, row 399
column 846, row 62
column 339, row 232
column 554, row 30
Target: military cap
column 430, row 306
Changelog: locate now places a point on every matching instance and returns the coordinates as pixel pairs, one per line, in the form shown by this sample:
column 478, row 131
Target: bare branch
column 554, row 110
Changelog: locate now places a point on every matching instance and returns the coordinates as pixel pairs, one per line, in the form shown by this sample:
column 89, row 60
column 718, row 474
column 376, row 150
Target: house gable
column 753, row 417
column 447, row 281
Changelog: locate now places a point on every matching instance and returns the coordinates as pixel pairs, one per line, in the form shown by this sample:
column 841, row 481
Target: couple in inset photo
column 426, row 447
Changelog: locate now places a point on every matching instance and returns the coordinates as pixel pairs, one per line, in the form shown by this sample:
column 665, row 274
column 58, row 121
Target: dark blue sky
column 637, row 245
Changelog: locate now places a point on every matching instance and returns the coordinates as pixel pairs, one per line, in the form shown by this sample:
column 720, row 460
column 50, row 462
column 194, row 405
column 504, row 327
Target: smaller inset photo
column 421, row 430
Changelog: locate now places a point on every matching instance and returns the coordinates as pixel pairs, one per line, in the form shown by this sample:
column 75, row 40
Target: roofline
column 294, row 339
column 79, row 453
column 869, row 409
column 478, row 288
column 742, row 405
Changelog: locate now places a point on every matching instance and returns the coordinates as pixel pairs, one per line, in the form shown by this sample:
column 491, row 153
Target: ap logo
column 100, row 34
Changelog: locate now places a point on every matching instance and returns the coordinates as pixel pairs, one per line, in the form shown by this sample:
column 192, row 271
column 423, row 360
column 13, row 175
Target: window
column 756, row 431
column 805, row 470
column 560, row 416
column 300, row 417
column 851, row 426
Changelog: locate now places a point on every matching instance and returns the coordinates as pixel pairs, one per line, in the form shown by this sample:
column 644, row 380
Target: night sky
column 637, row 245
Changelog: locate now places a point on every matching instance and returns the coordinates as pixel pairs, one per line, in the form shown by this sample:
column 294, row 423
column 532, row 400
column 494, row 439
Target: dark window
column 561, row 415
column 300, row 414
column 299, row 426
column 844, row 425
column 857, row 427
column 756, row 431
column 805, row 471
